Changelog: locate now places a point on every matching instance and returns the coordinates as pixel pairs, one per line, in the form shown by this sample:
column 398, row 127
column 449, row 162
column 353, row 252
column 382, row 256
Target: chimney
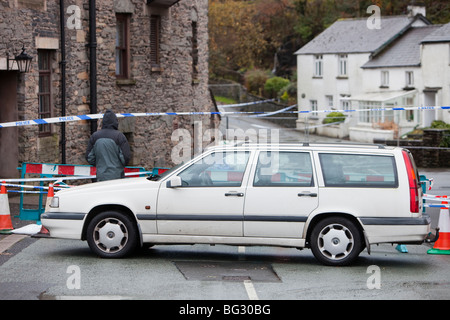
column 415, row 8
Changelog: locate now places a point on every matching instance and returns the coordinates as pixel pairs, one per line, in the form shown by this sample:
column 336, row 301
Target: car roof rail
column 308, row 144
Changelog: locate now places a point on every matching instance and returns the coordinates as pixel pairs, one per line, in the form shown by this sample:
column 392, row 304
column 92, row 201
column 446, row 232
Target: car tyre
column 112, row 234
column 336, row 241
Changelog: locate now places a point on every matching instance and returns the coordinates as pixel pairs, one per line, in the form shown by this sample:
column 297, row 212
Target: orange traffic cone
column 5, row 214
column 50, row 196
column 442, row 245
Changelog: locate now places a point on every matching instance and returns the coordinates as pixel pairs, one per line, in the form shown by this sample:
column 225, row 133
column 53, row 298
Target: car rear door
column 281, row 194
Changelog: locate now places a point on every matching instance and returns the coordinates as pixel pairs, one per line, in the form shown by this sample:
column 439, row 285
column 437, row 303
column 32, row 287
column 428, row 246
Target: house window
column 370, row 112
column 329, row 100
column 409, row 78
column 342, row 72
column 345, row 104
column 44, row 93
column 409, row 114
column 384, row 78
column 122, row 45
column 313, row 104
column 155, row 38
column 318, row 65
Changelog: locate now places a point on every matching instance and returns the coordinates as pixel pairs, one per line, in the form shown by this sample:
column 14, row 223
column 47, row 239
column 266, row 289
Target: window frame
column 204, row 161
column 342, row 65
column 318, row 65
column 45, row 75
column 275, row 184
column 124, row 48
column 366, row 184
column 409, row 79
column 155, row 43
column 384, row 79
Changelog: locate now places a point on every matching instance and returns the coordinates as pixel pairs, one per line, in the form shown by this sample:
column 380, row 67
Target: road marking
column 9, row 241
column 251, row 292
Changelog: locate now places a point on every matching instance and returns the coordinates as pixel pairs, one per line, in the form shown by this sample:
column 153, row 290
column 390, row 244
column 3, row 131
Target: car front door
column 281, row 195
column 210, row 200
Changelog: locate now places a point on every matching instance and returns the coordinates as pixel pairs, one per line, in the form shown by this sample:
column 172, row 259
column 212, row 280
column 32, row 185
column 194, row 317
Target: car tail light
column 413, row 182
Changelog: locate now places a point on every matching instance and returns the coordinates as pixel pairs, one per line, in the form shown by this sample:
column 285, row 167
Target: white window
column 370, row 112
column 409, row 114
column 385, row 78
column 329, row 100
column 342, row 72
column 318, row 65
column 313, row 104
column 345, row 104
column 409, row 78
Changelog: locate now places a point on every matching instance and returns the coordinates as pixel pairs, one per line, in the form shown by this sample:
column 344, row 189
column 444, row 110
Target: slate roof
column 440, row 35
column 353, row 36
column 405, row 51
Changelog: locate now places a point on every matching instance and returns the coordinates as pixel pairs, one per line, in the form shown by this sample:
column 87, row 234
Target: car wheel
column 336, row 241
column 111, row 234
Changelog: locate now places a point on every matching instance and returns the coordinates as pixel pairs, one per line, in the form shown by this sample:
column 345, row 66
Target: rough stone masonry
column 179, row 81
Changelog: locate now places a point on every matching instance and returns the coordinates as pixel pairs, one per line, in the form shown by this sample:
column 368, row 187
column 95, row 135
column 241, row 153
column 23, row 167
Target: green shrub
column 334, row 117
column 439, row 124
column 255, row 80
column 274, row 85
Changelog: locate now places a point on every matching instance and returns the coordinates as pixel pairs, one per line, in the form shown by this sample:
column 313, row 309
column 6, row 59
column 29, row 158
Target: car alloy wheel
column 111, row 235
column 336, row 241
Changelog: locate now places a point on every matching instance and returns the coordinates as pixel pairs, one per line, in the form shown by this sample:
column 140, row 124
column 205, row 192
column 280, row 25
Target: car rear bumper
column 397, row 230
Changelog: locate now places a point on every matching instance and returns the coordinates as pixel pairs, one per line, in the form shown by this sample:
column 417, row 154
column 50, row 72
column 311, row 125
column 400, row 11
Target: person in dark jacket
column 108, row 149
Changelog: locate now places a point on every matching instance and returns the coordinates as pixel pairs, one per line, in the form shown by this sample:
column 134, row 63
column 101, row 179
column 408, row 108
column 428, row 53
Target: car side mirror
column 174, row 182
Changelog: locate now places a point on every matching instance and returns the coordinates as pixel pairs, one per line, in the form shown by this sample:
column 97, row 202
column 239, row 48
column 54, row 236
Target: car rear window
column 360, row 171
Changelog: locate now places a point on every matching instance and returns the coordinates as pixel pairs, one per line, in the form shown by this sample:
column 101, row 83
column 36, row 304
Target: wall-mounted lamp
column 23, row 61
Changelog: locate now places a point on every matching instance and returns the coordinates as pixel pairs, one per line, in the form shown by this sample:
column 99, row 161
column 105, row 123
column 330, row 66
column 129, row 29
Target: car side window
column 284, row 169
column 218, row 169
column 359, row 171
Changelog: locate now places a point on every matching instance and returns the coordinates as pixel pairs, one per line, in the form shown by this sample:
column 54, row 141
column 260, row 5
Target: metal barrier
column 50, row 170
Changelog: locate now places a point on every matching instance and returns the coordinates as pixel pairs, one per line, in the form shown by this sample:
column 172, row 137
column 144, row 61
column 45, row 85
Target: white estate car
column 335, row 199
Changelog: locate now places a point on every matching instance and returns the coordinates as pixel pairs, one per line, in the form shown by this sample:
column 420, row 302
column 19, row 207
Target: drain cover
column 227, row 271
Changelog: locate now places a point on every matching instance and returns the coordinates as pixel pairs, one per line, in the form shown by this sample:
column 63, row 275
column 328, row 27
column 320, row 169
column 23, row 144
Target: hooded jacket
column 108, row 149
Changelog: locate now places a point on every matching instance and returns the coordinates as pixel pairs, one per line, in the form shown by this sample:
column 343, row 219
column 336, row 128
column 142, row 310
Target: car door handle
column 307, row 194
column 234, row 194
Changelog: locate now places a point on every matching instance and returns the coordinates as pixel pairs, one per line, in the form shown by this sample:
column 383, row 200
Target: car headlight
column 54, row 203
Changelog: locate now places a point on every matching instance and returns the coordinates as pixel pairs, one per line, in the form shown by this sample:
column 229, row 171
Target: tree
column 236, row 37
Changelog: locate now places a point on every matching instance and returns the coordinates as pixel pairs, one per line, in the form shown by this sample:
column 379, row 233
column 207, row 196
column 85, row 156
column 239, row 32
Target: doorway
column 9, row 137
column 429, row 101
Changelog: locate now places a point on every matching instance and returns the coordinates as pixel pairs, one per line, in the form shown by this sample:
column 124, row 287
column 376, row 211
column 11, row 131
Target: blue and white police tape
column 427, row 205
column 245, row 103
column 11, row 185
column 153, row 114
column 274, row 112
column 60, row 179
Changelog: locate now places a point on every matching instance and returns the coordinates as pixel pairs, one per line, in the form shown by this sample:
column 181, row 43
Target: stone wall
column 173, row 88
column 426, row 152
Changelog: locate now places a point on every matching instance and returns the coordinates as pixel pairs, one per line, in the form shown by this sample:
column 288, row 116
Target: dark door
column 9, row 139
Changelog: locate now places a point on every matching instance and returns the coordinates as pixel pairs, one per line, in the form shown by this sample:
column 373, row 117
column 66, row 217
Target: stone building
column 145, row 56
